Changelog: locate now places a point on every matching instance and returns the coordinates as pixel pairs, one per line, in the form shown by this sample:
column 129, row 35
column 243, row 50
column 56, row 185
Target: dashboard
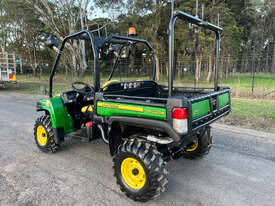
column 133, row 88
column 69, row 97
column 72, row 96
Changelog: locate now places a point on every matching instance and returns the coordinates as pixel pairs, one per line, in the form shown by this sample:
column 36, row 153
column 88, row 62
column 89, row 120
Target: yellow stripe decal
column 120, row 106
column 154, row 112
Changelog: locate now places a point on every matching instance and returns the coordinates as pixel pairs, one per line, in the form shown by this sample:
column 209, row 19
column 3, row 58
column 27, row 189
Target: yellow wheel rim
column 133, row 173
column 41, row 135
column 194, row 146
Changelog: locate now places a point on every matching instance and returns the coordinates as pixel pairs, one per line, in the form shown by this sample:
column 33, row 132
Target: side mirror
column 52, row 41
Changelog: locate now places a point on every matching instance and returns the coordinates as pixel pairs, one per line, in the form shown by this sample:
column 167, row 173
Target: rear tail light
column 180, row 122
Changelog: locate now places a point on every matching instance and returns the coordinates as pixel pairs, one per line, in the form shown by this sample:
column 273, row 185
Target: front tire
column 140, row 170
column 44, row 134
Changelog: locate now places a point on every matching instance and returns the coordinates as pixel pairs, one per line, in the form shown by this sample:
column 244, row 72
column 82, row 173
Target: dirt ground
column 238, row 171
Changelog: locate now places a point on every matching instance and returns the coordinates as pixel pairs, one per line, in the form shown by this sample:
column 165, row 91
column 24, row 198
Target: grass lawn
column 255, row 108
column 241, row 85
column 254, row 114
column 252, row 111
column 35, row 87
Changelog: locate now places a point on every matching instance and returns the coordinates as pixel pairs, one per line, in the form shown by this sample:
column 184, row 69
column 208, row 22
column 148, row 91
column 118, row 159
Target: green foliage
column 24, row 27
column 254, row 108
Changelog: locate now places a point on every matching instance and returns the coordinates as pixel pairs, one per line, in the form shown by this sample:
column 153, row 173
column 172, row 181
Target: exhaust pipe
column 103, row 136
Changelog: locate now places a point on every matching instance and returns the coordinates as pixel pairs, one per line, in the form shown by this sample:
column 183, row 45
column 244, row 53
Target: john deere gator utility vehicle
column 144, row 123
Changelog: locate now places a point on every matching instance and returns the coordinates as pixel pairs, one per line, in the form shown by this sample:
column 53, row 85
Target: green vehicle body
column 224, row 100
column 200, row 108
column 112, row 108
column 60, row 118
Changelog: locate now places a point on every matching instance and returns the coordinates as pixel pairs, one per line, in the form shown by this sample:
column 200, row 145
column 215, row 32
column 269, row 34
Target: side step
column 86, row 134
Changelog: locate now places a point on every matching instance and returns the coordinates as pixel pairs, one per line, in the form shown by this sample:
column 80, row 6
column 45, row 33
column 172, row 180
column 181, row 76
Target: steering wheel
column 86, row 89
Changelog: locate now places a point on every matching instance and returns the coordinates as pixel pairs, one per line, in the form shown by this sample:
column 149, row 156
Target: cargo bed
column 204, row 104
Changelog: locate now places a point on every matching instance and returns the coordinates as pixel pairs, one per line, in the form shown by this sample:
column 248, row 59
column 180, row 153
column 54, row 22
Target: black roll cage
column 199, row 22
column 97, row 44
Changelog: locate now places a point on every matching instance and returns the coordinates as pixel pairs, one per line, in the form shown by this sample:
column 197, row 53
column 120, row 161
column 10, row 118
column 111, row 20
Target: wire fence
column 247, row 77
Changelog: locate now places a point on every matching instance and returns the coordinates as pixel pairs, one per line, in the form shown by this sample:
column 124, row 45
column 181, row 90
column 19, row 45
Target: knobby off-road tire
column 200, row 147
column 44, row 134
column 140, row 170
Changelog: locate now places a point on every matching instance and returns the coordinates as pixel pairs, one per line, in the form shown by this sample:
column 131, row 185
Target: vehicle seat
column 87, row 112
column 106, row 84
column 88, row 108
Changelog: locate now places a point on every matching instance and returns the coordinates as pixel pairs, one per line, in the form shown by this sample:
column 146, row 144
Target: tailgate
column 208, row 108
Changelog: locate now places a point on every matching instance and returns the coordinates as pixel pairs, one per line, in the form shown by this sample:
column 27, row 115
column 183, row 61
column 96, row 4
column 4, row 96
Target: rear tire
column 44, row 135
column 200, row 147
column 140, row 170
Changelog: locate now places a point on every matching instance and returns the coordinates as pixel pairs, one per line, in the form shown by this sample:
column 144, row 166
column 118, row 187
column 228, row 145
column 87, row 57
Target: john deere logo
column 195, row 112
column 46, row 103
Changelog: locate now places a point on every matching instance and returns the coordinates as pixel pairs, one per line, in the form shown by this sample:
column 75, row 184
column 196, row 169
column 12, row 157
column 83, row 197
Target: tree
column 24, row 31
column 63, row 18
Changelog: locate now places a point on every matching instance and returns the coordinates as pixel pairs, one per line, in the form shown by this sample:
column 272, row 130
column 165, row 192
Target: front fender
column 58, row 113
